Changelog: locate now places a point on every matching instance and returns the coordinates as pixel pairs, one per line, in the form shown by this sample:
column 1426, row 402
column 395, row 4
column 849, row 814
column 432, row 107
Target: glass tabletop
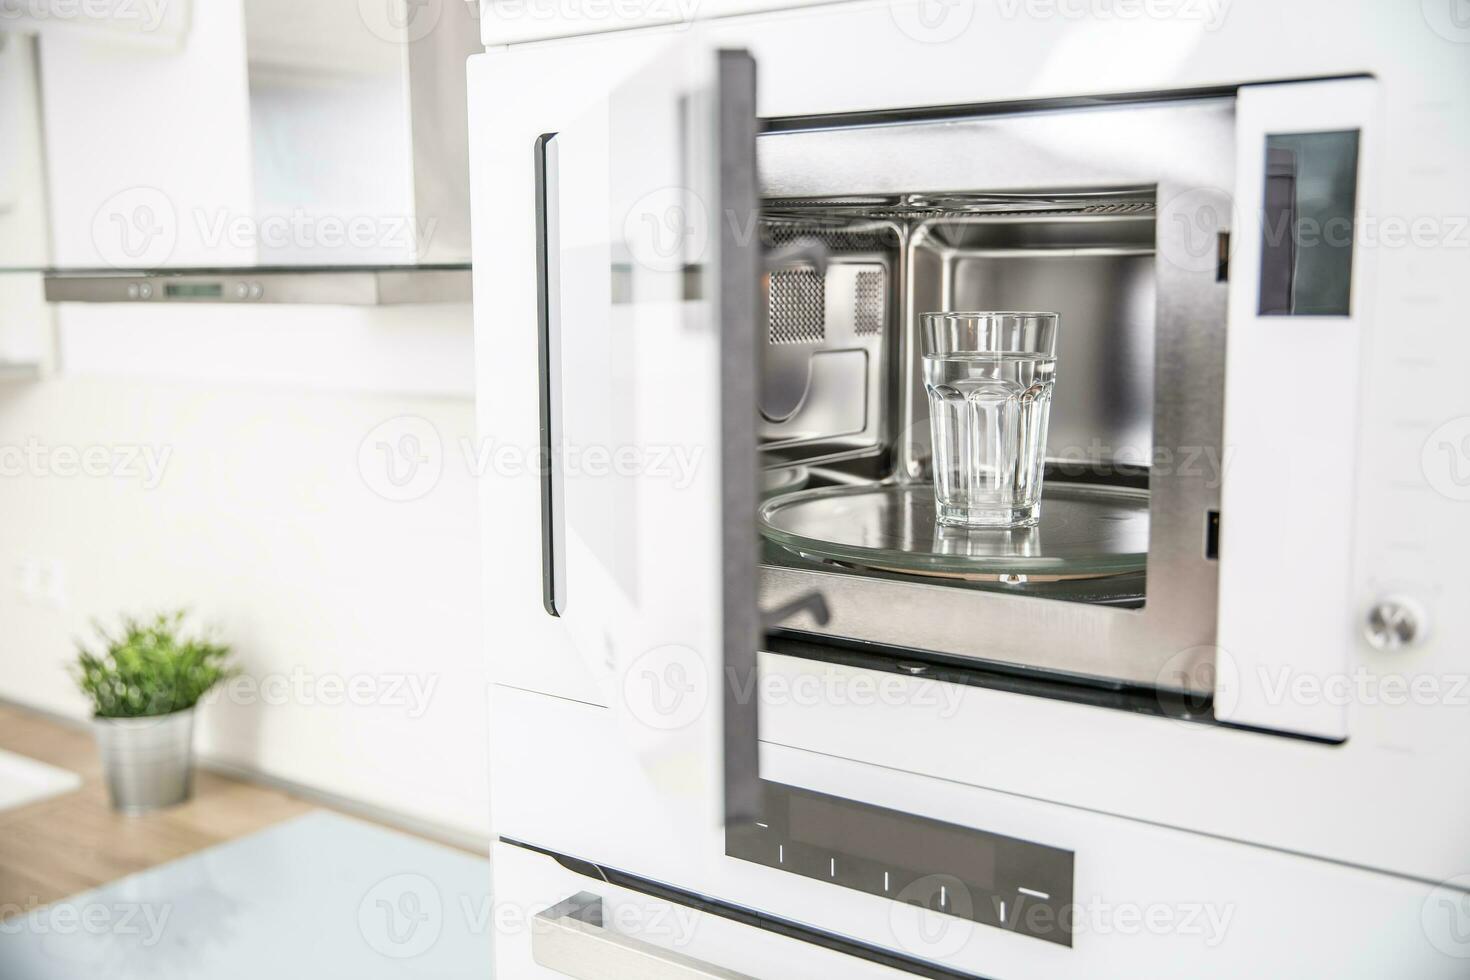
column 1084, row 531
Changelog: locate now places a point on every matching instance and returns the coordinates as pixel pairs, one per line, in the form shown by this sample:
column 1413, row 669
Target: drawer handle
column 570, row 939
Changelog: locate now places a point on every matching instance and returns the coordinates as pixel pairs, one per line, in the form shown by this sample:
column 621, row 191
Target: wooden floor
column 70, row 843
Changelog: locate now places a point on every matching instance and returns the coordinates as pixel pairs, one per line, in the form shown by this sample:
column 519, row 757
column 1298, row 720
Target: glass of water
column 989, row 376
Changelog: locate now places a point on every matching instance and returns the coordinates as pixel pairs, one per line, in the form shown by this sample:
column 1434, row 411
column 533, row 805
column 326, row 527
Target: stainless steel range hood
column 360, row 166
column 345, row 286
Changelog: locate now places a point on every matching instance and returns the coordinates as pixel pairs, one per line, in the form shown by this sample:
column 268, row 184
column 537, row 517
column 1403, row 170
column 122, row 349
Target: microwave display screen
column 1307, row 223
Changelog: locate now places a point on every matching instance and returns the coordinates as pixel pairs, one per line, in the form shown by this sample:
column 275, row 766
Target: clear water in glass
column 988, row 415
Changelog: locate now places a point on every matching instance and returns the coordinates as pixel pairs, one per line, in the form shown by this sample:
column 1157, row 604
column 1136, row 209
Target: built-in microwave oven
column 719, row 276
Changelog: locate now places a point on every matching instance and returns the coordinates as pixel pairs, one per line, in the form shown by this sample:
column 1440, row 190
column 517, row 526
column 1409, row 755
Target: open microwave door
column 649, row 305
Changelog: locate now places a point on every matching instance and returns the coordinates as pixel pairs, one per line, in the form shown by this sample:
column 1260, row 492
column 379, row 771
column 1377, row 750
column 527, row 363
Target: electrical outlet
column 28, row 580
column 41, row 581
column 53, row 579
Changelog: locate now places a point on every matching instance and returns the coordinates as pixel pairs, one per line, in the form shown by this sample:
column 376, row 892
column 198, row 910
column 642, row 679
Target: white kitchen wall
column 297, row 476
column 355, row 616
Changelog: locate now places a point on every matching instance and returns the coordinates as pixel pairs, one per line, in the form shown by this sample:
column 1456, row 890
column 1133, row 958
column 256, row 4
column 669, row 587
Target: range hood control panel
column 211, row 291
column 347, row 286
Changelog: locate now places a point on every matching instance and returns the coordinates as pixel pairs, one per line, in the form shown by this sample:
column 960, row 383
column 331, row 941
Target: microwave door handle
column 811, row 602
column 570, row 939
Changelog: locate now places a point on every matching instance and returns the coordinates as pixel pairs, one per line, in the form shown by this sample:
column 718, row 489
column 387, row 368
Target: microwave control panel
column 950, row 869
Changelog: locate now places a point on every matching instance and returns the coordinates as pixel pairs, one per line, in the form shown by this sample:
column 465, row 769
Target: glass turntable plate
column 784, row 479
column 1085, row 531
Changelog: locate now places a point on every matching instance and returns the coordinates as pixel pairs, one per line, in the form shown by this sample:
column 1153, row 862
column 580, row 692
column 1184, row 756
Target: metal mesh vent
column 838, row 238
column 798, row 307
column 806, row 214
column 868, row 303
column 1136, row 207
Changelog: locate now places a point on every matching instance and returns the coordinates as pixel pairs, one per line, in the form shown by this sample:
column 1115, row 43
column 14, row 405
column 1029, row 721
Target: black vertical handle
column 548, row 318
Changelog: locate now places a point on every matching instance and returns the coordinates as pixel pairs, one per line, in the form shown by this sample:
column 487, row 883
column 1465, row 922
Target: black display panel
column 987, row 878
column 1307, row 224
column 193, row 290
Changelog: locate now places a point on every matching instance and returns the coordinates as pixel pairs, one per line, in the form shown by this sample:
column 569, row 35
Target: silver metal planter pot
column 148, row 762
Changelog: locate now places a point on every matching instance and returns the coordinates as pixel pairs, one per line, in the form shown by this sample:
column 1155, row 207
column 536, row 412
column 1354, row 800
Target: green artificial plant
column 148, row 667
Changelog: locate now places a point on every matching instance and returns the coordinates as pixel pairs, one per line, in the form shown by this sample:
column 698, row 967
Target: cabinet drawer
column 554, row 922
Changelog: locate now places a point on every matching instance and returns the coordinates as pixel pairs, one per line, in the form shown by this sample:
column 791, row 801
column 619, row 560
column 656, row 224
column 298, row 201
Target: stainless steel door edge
column 739, row 306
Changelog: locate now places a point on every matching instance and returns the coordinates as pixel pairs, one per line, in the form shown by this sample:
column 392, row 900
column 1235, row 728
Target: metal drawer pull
column 569, row 938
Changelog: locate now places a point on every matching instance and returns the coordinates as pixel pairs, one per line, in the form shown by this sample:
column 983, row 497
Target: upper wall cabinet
column 320, row 133
column 147, row 22
column 23, row 223
column 515, row 21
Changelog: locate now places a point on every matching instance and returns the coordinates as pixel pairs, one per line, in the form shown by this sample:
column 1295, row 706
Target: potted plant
column 144, row 683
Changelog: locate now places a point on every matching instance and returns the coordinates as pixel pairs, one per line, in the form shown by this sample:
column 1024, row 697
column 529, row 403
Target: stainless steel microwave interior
column 1113, row 216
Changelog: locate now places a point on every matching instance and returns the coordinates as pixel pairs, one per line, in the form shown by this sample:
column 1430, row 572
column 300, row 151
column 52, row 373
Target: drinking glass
column 989, row 376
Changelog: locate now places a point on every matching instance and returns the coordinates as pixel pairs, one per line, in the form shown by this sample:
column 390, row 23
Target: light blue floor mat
column 321, row 896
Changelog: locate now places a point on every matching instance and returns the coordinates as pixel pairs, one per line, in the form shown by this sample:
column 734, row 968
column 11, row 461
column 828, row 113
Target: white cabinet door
column 647, row 295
